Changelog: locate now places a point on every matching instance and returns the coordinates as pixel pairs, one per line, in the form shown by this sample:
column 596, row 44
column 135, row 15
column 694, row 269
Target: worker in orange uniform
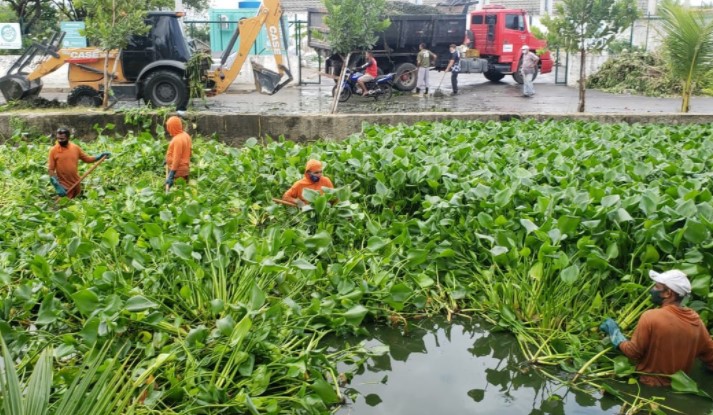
column 63, row 164
column 667, row 339
column 178, row 155
column 313, row 180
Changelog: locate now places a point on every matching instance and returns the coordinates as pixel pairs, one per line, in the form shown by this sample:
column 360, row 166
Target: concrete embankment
column 235, row 129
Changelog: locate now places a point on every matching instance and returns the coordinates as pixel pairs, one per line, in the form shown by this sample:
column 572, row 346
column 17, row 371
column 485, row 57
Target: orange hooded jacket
column 178, row 156
column 666, row 340
column 295, row 191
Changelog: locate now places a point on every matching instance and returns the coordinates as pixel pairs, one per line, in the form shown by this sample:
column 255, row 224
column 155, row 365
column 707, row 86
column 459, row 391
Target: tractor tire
column 84, row 96
column 165, row 89
column 493, row 75
column 406, row 77
column 517, row 76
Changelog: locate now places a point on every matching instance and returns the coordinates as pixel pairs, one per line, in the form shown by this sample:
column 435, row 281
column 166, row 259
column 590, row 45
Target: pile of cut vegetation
column 636, row 72
column 402, row 7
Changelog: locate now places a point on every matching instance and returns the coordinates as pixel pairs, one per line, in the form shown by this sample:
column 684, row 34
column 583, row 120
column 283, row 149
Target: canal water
column 462, row 368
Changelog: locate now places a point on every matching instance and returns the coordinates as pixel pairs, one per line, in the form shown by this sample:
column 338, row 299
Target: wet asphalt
column 476, row 94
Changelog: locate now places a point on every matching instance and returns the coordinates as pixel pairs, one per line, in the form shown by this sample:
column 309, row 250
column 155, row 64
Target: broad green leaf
column 375, row 243
column 528, row 225
column 498, row 250
column 570, row 275
column 302, row 264
column 86, row 301
column 400, row 292
column 356, row 314
column 423, row 280
column 321, row 239
column 241, row 331
column 257, row 298
column 696, row 232
column 682, row 383
column 182, row 250
column 325, row 391
column 139, row 303
column 611, row 200
column 110, row 238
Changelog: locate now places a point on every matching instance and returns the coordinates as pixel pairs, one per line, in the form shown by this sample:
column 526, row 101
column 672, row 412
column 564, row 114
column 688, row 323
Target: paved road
column 476, row 95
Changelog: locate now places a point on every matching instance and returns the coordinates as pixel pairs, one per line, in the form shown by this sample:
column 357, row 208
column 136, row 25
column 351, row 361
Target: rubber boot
column 425, row 91
column 418, row 91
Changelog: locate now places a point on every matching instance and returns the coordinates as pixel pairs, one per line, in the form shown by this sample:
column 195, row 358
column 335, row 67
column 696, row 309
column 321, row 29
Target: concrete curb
column 235, row 129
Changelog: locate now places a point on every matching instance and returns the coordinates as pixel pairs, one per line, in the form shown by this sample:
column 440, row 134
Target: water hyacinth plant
column 213, row 299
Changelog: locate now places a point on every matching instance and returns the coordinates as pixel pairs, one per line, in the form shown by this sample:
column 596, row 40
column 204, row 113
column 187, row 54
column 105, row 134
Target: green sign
column 72, row 38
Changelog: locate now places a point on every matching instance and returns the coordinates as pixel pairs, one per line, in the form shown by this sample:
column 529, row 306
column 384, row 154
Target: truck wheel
column 84, row 96
column 165, row 89
column 517, row 76
column 406, row 77
column 493, row 76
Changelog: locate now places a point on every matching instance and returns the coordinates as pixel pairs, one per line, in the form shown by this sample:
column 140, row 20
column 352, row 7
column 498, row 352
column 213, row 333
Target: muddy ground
column 476, row 95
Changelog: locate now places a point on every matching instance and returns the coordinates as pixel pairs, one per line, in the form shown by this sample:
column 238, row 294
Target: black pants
column 454, row 81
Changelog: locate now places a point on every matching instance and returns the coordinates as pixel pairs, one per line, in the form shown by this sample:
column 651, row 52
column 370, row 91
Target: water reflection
column 462, row 368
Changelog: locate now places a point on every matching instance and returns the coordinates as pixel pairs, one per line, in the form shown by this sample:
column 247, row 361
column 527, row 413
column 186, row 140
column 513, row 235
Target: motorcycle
column 379, row 88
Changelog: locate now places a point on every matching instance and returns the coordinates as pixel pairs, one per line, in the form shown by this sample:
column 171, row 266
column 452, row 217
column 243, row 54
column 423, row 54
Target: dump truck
column 492, row 39
column 153, row 67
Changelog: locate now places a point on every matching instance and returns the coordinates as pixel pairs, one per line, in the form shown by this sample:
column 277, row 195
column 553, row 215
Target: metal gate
column 561, row 66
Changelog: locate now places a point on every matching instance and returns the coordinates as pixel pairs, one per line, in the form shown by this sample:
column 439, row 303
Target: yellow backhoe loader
column 153, row 66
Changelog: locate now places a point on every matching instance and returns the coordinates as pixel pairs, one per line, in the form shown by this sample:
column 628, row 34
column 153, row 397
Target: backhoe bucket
column 16, row 86
column 267, row 81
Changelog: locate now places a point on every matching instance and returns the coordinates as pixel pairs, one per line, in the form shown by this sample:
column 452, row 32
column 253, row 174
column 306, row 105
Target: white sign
column 10, row 36
column 507, row 47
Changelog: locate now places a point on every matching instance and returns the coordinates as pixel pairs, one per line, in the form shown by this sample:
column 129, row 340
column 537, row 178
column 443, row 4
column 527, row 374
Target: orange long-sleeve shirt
column 178, row 155
column 666, row 340
column 295, row 192
column 64, row 162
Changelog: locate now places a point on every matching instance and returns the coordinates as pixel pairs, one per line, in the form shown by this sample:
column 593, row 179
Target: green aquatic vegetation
column 212, row 297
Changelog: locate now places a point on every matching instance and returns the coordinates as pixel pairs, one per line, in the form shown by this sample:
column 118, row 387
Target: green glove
column 102, row 155
column 610, row 327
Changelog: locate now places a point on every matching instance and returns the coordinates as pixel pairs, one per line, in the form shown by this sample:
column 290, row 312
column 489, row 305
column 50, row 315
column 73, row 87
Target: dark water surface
column 463, row 368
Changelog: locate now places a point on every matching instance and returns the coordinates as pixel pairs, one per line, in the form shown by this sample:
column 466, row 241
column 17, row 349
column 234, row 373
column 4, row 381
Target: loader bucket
column 267, row 81
column 17, row 86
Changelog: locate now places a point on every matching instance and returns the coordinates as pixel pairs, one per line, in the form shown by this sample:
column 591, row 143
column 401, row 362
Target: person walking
column 63, row 164
column 528, row 70
column 424, row 60
column 666, row 339
column 313, row 179
column 178, row 155
column 454, row 67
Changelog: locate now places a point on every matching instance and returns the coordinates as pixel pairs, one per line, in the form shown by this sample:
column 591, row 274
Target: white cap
column 525, row 47
column 676, row 280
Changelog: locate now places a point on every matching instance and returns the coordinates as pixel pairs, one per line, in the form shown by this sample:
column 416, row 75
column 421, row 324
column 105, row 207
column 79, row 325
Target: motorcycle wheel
column 344, row 95
column 385, row 92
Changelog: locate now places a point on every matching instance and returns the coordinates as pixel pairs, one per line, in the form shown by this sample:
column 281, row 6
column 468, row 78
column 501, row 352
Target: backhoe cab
column 152, row 66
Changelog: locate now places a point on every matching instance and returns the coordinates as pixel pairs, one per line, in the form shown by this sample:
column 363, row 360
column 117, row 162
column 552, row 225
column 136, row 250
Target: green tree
column 110, row 24
column 353, row 25
column 588, row 26
column 688, row 45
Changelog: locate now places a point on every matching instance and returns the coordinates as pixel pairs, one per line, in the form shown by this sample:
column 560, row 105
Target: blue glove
column 61, row 191
column 171, row 176
column 610, row 327
column 102, row 155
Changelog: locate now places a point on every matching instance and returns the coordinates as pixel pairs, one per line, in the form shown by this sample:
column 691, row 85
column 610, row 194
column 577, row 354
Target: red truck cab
column 500, row 34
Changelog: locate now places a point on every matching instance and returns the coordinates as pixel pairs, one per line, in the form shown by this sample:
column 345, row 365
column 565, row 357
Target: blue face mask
column 313, row 177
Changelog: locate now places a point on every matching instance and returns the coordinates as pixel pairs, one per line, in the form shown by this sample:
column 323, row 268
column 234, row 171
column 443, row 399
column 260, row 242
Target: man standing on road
column 370, row 69
column 667, row 339
column 313, row 180
column 528, row 69
column 423, row 61
column 454, row 67
column 178, row 155
column 63, row 164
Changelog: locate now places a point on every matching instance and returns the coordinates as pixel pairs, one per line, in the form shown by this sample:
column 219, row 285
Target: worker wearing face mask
column 313, row 179
column 667, row 339
column 63, row 162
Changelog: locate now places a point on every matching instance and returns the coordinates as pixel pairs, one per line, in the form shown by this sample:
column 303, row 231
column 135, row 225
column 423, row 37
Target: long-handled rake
column 438, row 92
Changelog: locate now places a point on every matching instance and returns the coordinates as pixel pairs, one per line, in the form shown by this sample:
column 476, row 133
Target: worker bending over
column 63, row 164
column 178, row 155
column 667, row 339
column 313, row 180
